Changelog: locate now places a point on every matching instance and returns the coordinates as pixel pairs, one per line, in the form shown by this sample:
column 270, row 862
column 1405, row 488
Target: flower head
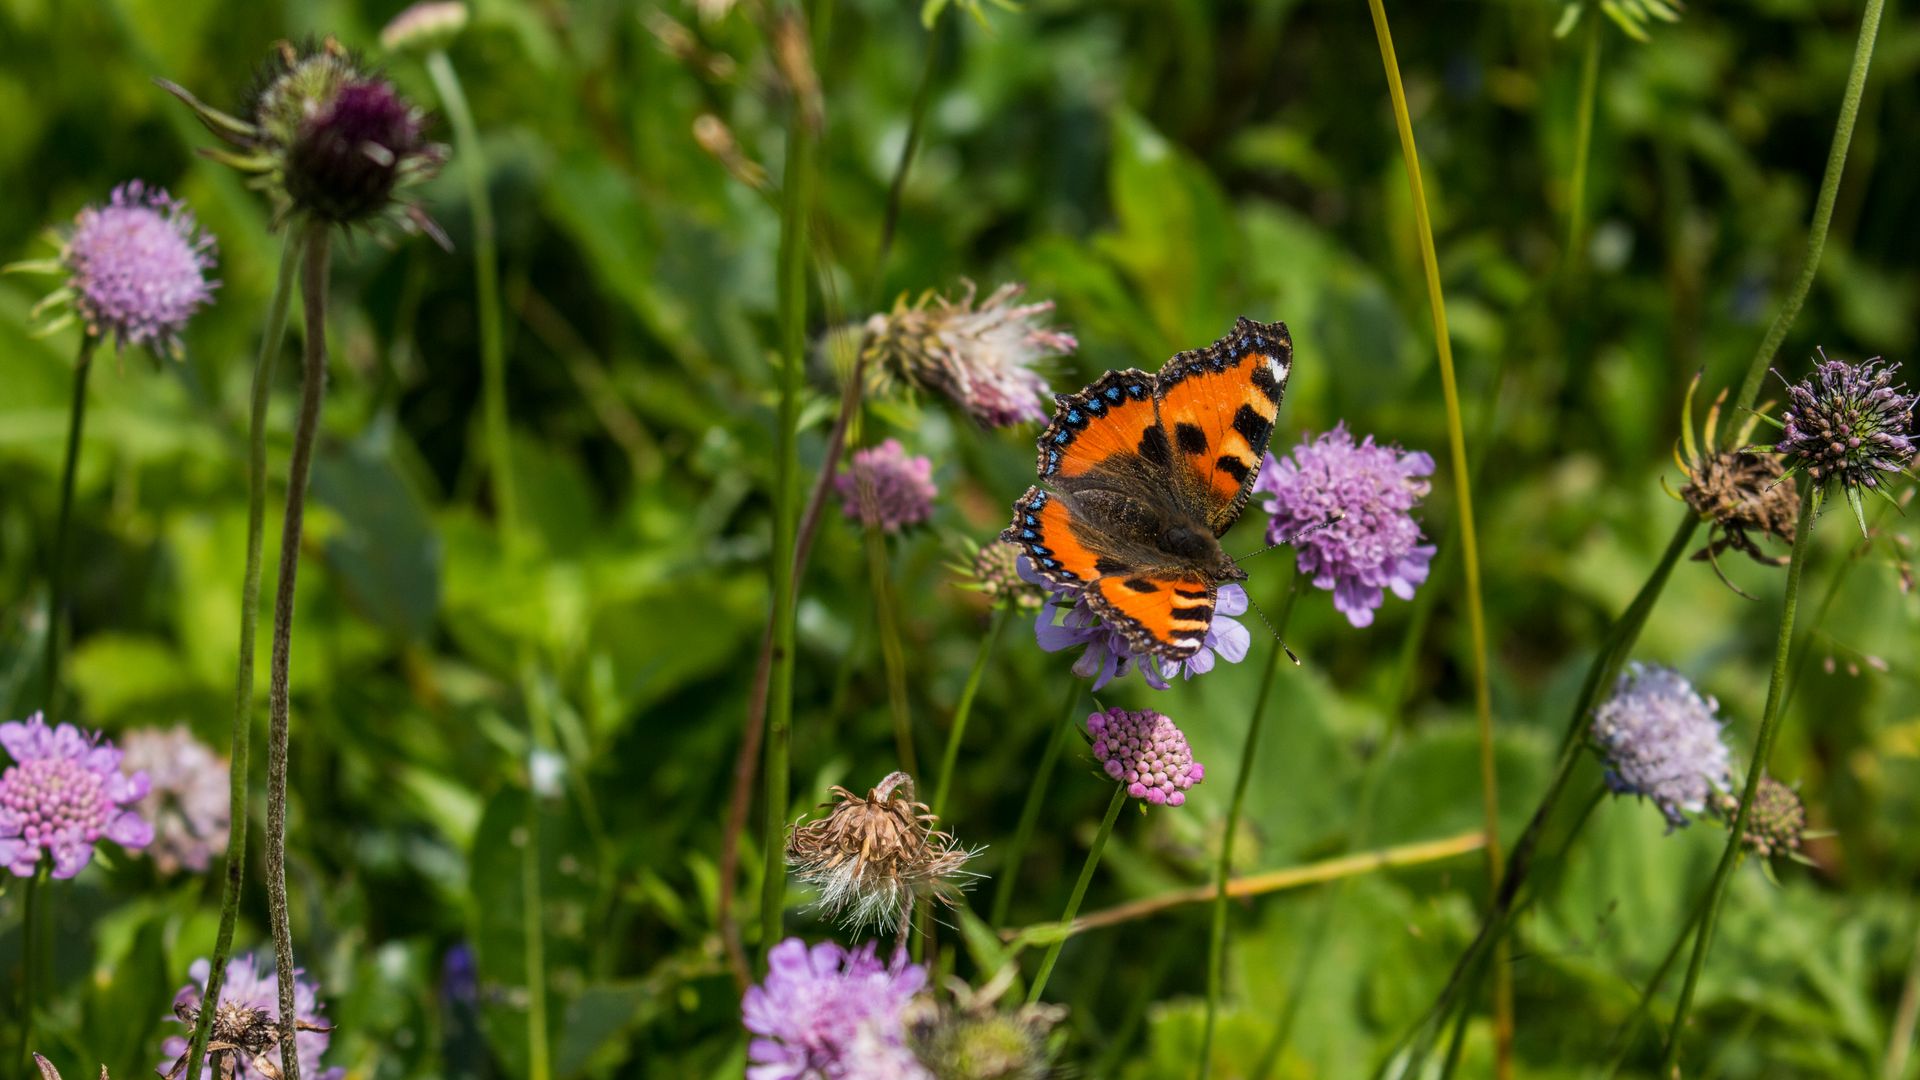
column 1068, row 620
column 1147, row 753
column 984, row 358
column 1662, row 741
column 994, row 569
column 870, row 857
column 1777, row 823
column 1738, row 492
column 425, row 27
column 827, row 1012
column 187, row 797
column 1349, row 507
column 1848, row 424
column 250, row 1008
column 328, row 140
column 64, row 793
column 136, row 270
column 970, row 1039
column 885, row 488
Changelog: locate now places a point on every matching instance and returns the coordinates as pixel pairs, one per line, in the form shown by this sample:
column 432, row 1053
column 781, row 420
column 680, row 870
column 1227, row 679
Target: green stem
column 57, row 594
column 1030, row 811
column 1583, row 142
column 1623, row 1039
column 1217, row 934
column 893, row 655
column 242, row 734
column 965, row 709
column 1079, row 892
column 1822, row 207
column 795, row 200
column 896, row 188
column 1463, row 498
column 30, row 959
column 486, row 261
column 306, row 430
column 533, row 927
column 1763, row 750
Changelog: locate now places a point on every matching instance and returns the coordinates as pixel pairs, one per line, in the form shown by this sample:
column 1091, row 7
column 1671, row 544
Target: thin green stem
column 1079, row 893
column 893, row 655
column 1623, row 1039
column 965, row 708
column 1217, row 932
column 1585, row 108
column 1463, row 499
column 795, row 201
column 533, row 925
column 486, row 264
column 306, row 430
column 1030, row 811
column 896, row 188
column 62, row 536
column 30, row 959
column 1763, row 750
column 241, row 746
column 1822, row 207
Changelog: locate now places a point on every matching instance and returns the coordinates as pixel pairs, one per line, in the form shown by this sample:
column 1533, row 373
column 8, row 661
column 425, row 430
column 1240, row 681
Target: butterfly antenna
column 1276, row 634
column 1337, row 515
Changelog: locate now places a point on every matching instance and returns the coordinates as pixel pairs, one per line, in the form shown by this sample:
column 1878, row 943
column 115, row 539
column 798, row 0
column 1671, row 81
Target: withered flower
column 871, row 856
column 1744, row 497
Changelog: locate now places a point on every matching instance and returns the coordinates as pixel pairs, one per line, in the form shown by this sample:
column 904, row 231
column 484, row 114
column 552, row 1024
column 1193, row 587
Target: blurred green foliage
column 1156, row 169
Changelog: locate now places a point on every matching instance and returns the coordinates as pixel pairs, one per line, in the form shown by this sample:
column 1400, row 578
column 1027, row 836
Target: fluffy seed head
column 985, row 358
column 826, row 1011
column 137, row 268
column 1145, row 752
column 1662, row 741
column 64, row 792
column 1374, row 545
column 885, row 487
column 871, row 856
column 187, row 796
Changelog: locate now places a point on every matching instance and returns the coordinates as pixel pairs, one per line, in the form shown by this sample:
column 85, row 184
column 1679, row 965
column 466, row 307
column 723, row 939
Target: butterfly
column 1141, row 474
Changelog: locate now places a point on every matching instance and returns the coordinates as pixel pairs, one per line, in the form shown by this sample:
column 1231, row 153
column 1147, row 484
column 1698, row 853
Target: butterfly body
column 1141, row 475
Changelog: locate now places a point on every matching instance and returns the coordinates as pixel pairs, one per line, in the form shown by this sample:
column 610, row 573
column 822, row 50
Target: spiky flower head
column 971, row 1039
column 1348, row 508
column 1068, row 621
column 984, row 358
column 1146, row 753
column 1777, row 823
column 187, row 796
column 884, row 487
column 871, row 856
column 249, row 1010
column 1848, row 425
column 327, row 140
column 1662, row 741
column 63, row 793
column 426, row 27
column 993, row 568
column 136, row 270
column 828, row 1013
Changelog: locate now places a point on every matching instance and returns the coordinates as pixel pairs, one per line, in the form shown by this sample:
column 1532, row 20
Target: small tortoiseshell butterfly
column 1142, row 475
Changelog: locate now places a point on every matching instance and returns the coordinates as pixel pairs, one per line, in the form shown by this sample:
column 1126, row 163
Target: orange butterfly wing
column 1218, row 405
column 1043, row 528
column 1174, row 612
column 1109, row 418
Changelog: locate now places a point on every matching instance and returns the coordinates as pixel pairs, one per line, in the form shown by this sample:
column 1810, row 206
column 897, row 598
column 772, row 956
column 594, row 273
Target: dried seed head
column 1744, row 497
column 871, row 856
column 983, row 355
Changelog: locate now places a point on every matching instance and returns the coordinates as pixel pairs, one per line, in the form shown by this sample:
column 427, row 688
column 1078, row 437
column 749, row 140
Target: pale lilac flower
column 1067, row 620
column 1146, row 752
column 64, row 793
column 884, row 487
column 137, row 268
column 1662, row 741
column 984, row 358
column 1848, row 424
column 1374, row 545
column 827, row 1013
column 250, row 985
column 187, row 800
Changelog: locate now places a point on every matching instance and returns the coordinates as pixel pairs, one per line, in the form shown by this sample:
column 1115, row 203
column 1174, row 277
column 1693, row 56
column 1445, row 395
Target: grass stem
column 964, row 708
column 1584, row 109
column 63, row 532
column 1079, row 892
column 1030, row 810
column 893, row 654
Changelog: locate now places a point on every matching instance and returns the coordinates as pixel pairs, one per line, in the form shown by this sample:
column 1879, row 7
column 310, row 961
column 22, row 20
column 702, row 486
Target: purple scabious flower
column 985, row 358
column 1147, row 753
column 828, row 1013
column 1848, row 424
column 1374, row 545
column 64, row 793
column 1662, row 742
column 250, row 986
column 885, row 488
column 187, row 800
column 1067, row 620
column 137, row 268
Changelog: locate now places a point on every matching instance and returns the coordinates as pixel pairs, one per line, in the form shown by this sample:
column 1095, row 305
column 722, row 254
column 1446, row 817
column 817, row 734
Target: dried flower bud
column 426, row 27
column 870, row 857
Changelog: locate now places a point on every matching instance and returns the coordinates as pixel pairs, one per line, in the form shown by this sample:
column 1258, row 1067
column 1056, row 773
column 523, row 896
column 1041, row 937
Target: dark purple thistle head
column 345, row 162
column 1848, row 424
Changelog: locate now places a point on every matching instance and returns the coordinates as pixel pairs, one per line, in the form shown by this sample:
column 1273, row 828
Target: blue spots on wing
column 1113, row 393
column 1096, row 406
column 1063, row 438
column 1074, row 417
column 1029, row 534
